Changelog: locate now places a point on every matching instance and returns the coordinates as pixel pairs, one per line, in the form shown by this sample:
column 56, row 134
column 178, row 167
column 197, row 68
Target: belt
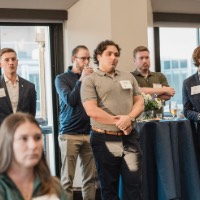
column 98, row 130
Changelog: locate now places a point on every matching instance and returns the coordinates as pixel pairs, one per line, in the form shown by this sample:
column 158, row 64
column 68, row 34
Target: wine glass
column 173, row 108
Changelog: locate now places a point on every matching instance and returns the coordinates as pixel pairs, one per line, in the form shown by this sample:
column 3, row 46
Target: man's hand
column 128, row 130
column 124, row 123
column 169, row 91
column 86, row 71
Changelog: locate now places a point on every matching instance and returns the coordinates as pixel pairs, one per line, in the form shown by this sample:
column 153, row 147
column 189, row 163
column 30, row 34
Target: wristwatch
column 132, row 118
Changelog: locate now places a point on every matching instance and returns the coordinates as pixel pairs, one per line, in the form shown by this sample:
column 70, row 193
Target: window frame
column 57, row 67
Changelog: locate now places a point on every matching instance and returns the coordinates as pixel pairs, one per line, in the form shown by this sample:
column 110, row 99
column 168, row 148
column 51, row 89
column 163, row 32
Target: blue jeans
column 117, row 156
column 70, row 147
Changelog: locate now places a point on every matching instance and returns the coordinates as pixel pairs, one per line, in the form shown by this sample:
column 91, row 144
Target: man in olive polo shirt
column 150, row 82
column 112, row 100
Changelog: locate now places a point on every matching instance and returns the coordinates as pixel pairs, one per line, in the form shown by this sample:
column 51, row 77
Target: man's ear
column 199, row 61
column 98, row 57
column 73, row 58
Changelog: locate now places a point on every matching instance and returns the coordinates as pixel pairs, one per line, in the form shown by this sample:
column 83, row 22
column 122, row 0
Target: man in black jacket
column 191, row 96
column 16, row 93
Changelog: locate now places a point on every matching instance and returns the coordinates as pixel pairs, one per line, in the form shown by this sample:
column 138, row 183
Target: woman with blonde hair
column 24, row 174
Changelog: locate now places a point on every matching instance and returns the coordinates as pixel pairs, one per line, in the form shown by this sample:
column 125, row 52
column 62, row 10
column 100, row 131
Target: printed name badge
column 195, row 90
column 46, row 197
column 157, row 85
column 126, row 84
column 2, row 92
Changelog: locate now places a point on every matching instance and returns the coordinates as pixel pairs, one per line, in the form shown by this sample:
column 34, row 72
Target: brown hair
column 77, row 48
column 41, row 170
column 101, row 47
column 7, row 50
column 196, row 56
column 139, row 49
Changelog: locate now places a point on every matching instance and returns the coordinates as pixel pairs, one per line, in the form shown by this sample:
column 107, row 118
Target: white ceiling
column 176, row 6
column 38, row 4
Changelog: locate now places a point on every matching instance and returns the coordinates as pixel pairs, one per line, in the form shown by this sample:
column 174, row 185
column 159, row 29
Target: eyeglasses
column 84, row 58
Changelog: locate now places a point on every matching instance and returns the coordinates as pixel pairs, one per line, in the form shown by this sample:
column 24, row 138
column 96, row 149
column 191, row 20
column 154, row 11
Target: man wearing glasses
column 75, row 126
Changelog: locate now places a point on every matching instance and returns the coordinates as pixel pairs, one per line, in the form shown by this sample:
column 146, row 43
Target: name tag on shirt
column 126, row 84
column 46, row 197
column 195, row 90
column 157, row 85
column 2, row 92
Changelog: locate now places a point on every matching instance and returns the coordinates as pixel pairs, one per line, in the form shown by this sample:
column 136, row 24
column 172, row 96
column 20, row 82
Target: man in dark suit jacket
column 16, row 93
column 191, row 94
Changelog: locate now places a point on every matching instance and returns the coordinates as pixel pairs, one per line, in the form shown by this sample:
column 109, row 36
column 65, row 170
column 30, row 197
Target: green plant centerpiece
column 151, row 103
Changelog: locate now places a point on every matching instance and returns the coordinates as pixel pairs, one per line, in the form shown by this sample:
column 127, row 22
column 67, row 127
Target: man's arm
column 138, row 106
column 97, row 113
column 188, row 107
column 70, row 96
column 103, row 117
column 33, row 100
column 124, row 121
column 67, row 90
column 164, row 93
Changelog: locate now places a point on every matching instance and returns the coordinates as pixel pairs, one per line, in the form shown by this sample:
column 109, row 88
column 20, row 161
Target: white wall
column 129, row 28
column 150, row 35
column 88, row 24
column 92, row 21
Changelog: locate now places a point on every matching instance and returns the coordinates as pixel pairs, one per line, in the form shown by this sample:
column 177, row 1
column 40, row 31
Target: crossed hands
column 168, row 93
column 123, row 122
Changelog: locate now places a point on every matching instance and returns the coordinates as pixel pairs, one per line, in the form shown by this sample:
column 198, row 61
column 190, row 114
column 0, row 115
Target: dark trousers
column 117, row 156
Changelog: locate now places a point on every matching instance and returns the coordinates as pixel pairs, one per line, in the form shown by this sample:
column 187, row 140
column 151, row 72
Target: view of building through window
column 25, row 42
column 31, row 44
column 176, row 48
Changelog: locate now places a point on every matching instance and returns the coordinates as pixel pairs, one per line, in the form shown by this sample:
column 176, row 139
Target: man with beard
column 153, row 83
column 74, row 130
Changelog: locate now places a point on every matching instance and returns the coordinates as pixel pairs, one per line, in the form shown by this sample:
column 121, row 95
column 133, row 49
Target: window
column 183, row 63
column 166, row 64
column 23, row 41
column 174, row 64
column 35, row 46
column 176, row 48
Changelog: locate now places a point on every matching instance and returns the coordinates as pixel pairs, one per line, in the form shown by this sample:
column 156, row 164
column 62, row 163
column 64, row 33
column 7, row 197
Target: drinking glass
column 173, row 108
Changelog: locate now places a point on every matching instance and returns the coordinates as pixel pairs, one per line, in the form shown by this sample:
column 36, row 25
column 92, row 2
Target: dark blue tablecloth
column 170, row 167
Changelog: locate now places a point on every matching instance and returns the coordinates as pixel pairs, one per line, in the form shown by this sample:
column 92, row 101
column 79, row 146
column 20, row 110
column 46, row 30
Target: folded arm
column 97, row 113
column 164, row 93
column 125, row 121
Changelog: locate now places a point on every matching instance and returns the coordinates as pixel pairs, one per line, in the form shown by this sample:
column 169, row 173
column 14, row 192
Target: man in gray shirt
column 112, row 100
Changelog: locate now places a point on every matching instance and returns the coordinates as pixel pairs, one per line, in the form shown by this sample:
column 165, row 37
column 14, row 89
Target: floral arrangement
column 151, row 102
